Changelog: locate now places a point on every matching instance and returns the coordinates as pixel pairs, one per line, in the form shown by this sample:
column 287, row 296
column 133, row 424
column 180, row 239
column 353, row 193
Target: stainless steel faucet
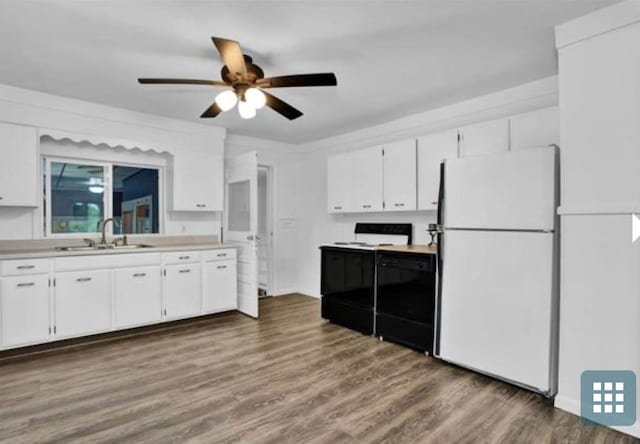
column 103, row 239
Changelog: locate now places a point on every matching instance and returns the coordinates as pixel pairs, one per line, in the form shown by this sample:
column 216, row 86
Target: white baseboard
column 573, row 406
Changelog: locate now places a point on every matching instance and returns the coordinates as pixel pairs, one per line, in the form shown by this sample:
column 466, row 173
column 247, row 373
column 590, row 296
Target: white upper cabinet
column 535, row 129
column 432, row 150
column 19, row 166
column 400, row 176
column 339, row 186
column 367, row 173
column 484, row 138
column 197, row 178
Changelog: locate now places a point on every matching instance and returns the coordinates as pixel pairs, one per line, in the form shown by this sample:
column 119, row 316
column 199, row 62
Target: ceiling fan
column 248, row 84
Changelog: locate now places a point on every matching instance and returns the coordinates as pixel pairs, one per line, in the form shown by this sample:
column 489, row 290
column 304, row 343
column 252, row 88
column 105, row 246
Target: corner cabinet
column 197, row 181
column 19, row 166
column 339, row 183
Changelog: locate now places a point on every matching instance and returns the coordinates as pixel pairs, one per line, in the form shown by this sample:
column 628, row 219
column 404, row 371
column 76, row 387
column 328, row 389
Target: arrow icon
column 635, row 228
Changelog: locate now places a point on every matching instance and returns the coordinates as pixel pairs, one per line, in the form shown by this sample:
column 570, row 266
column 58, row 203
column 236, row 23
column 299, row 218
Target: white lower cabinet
column 137, row 296
column 183, row 287
column 220, row 286
column 82, row 303
column 25, row 310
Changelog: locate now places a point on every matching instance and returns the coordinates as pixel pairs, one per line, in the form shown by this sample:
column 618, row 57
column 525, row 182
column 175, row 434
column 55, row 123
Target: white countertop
column 49, row 252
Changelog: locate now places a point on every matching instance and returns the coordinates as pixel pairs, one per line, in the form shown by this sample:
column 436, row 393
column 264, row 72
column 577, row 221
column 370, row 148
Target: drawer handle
column 83, row 279
column 184, row 258
column 337, row 208
column 201, row 205
column 399, row 205
column 366, row 206
column 220, row 267
column 25, row 267
column 434, row 203
column 221, row 254
column 27, row 284
column 185, row 271
column 139, row 275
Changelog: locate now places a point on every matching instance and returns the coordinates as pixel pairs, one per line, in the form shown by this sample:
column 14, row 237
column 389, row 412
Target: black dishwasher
column 405, row 298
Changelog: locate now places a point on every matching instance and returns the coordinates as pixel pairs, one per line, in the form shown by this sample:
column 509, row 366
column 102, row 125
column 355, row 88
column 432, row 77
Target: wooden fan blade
column 181, row 82
column 212, row 111
column 231, row 54
column 320, row 79
column 282, row 107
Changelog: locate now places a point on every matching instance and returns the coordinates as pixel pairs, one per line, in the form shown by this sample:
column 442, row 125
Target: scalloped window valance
column 96, row 140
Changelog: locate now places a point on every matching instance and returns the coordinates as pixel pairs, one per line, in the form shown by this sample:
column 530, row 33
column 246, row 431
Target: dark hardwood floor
column 288, row 378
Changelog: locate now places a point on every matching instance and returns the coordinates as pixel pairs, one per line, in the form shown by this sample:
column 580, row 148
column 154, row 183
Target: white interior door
column 241, row 225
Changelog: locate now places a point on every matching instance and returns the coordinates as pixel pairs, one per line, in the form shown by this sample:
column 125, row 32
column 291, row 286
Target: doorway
column 265, row 230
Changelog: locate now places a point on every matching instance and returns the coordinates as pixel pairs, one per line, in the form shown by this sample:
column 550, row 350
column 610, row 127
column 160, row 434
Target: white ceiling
column 392, row 58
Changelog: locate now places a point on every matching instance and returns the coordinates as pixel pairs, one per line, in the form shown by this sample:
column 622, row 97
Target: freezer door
column 497, row 304
column 514, row 190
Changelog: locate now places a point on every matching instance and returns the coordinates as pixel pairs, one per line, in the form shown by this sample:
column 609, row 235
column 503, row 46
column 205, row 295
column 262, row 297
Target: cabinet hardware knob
column 221, row 254
column 137, row 275
column 185, row 271
column 337, row 208
column 434, row 203
column 221, row 267
column 399, row 205
column 366, row 206
column 1, row 197
column 83, row 279
column 25, row 267
column 26, row 284
column 184, row 258
column 201, row 205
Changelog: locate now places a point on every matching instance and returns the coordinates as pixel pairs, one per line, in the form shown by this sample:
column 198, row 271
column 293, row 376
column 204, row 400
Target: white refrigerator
column 497, row 303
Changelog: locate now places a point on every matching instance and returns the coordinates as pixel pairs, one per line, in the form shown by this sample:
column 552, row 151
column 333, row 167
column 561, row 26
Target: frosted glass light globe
column 226, row 100
column 246, row 110
column 255, row 97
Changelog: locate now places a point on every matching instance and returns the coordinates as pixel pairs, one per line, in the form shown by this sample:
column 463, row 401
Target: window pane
column 239, row 208
column 135, row 200
column 77, row 197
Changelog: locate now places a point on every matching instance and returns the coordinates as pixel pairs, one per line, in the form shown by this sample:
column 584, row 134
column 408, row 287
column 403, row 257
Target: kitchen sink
column 104, row 247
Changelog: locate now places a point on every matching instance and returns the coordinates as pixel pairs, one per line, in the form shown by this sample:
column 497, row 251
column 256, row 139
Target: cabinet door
column 197, row 181
column 339, row 187
column 220, row 286
column 400, row 183
column 432, row 150
column 367, row 179
column 484, row 138
column 25, row 310
column 535, row 129
column 138, row 296
column 19, row 166
column 82, row 303
column 183, row 290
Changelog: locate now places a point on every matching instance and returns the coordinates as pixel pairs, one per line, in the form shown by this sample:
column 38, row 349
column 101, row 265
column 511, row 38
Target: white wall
column 98, row 122
column 600, row 135
column 321, row 227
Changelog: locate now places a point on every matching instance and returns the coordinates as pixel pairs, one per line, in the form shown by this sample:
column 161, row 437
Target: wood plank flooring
column 288, row 378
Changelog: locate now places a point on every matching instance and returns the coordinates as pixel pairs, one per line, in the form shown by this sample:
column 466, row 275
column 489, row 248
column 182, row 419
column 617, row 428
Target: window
column 79, row 195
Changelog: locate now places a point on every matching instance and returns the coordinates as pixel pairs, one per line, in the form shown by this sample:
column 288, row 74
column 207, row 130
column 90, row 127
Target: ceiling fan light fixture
column 255, row 97
column 246, row 110
column 226, row 100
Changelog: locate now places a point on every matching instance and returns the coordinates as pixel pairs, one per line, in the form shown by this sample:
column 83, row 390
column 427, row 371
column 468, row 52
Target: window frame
column 46, row 219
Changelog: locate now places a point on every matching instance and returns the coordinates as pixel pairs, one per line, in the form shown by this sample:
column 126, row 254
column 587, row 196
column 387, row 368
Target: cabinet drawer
column 20, row 267
column 105, row 261
column 182, row 257
column 219, row 255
